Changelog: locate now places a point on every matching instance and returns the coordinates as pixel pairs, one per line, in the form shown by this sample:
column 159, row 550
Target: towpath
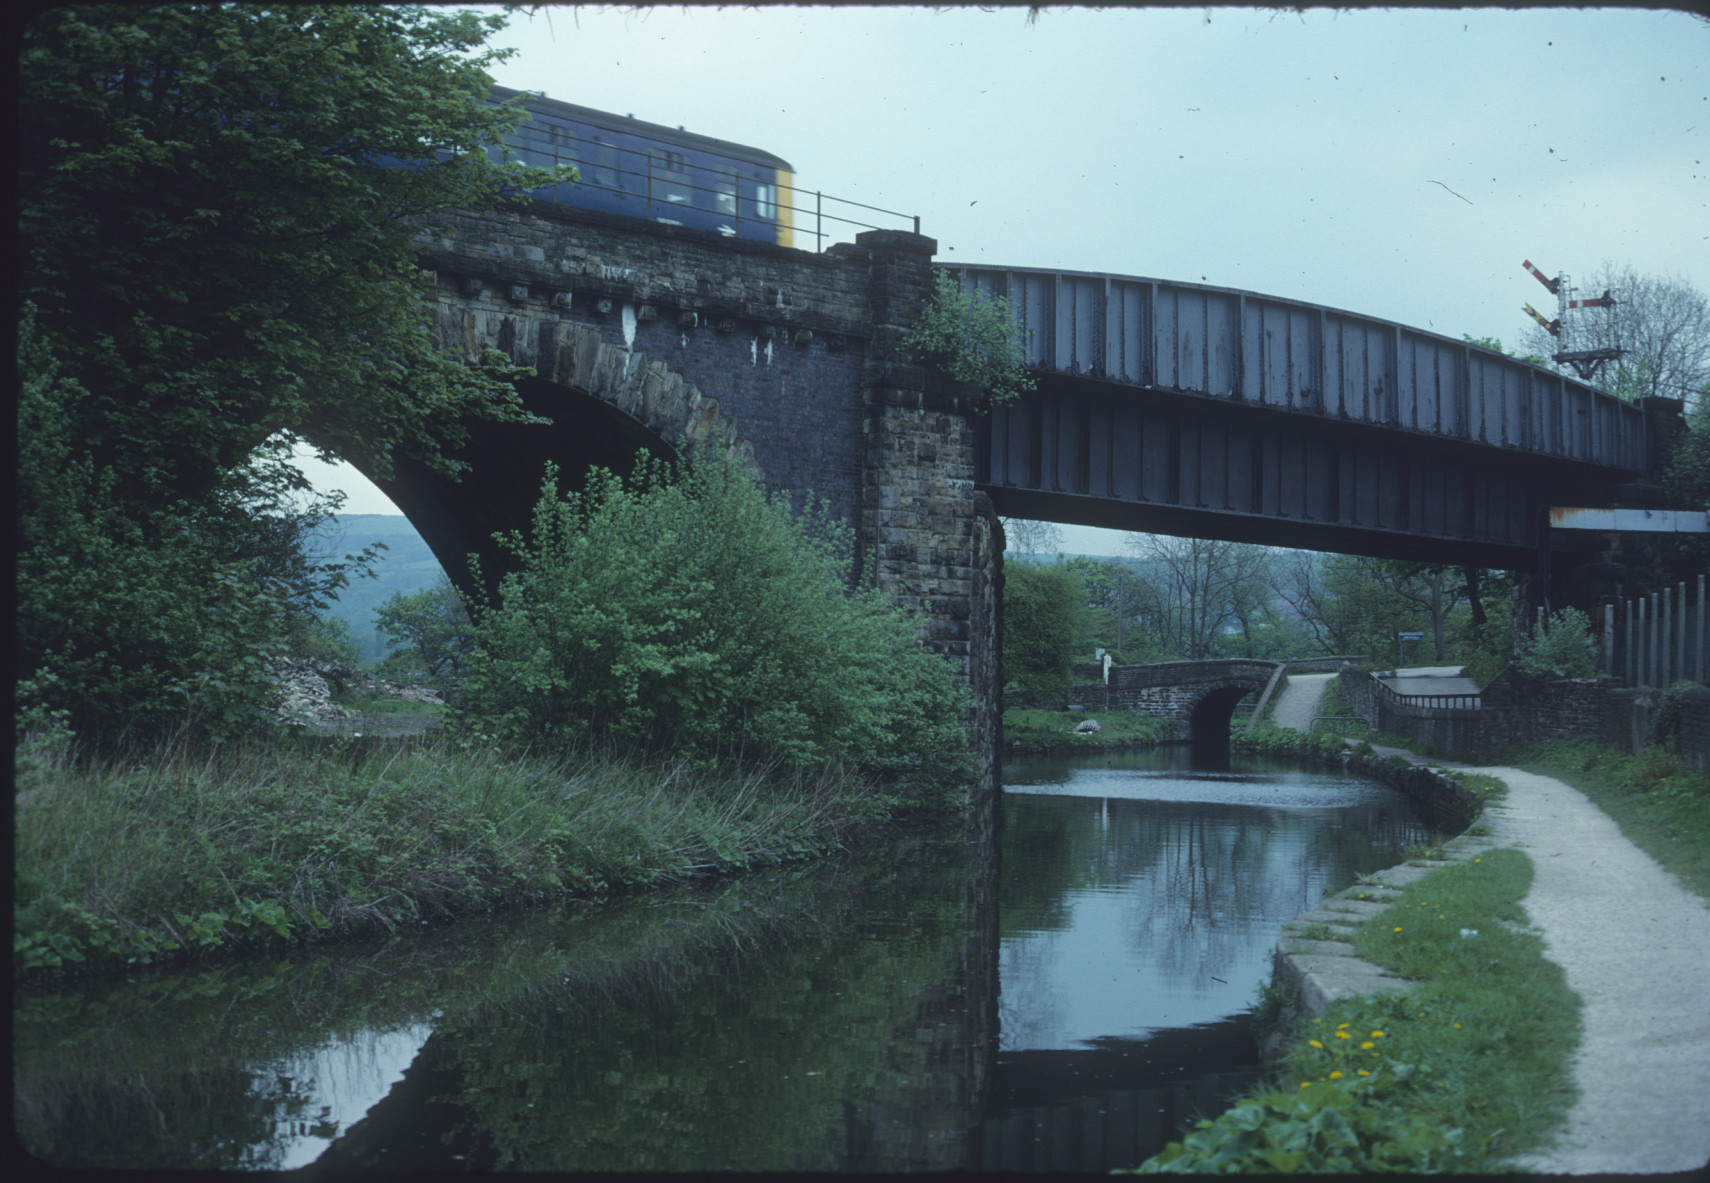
column 1635, row 945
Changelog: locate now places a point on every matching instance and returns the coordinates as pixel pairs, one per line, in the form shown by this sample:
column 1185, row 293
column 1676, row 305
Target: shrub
column 971, row 337
column 687, row 611
column 1563, row 648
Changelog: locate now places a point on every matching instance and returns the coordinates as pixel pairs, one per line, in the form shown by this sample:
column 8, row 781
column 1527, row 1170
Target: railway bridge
column 1163, row 407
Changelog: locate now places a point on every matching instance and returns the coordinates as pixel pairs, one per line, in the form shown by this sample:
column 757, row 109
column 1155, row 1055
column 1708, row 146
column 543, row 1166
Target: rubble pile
column 306, row 688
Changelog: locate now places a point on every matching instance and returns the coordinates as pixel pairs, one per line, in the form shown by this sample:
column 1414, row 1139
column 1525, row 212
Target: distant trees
column 1042, row 625
column 1027, row 537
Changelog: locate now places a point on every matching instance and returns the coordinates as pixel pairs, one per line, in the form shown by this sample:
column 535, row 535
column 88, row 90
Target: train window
column 766, row 202
column 565, row 147
column 602, row 169
column 724, row 195
column 671, row 180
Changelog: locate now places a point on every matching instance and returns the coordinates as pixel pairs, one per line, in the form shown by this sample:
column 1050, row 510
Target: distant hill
column 406, row 565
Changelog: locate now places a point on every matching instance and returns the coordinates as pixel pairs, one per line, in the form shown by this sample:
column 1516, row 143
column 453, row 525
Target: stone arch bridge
column 1163, row 407
column 1198, row 697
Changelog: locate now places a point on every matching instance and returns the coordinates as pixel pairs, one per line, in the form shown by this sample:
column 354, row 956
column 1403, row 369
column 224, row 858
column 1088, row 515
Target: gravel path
column 1298, row 702
column 1635, row 945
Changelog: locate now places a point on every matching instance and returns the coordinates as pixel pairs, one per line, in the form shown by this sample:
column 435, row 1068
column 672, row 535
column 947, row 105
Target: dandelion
column 1457, row 1026
column 1363, row 1072
column 1367, row 1045
column 1335, row 1076
column 1315, row 1043
column 1306, row 1084
column 1339, row 1026
column 1398, row 928
column 1343, row 1035
column 1377, row 1034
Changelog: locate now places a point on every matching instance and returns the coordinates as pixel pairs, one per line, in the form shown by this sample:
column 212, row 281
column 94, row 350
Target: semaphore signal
column 1580, row 345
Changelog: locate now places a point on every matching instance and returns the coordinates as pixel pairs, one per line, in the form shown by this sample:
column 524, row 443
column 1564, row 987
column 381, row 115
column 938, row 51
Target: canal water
column 908, row 1007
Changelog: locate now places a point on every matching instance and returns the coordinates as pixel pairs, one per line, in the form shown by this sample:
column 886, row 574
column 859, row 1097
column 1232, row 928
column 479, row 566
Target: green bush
column 687, row 611
column 971, row 337
column 1563, row 648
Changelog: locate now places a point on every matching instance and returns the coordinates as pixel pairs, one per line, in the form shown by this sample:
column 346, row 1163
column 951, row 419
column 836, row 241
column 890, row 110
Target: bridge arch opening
column 507, row 461
column 1208, row 724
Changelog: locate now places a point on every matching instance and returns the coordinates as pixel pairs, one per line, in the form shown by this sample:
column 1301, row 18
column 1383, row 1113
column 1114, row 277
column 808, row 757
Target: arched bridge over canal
column 1161, row 407
column 1198, row 697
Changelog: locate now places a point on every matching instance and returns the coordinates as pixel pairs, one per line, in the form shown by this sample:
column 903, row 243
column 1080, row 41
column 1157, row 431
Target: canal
column 908, row 1007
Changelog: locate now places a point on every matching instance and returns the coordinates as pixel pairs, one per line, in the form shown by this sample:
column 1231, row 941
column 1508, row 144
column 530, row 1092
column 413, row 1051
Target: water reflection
column 869, row 1014
column 1140, row 901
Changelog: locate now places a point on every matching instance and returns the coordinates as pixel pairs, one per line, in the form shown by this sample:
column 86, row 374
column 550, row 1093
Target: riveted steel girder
column 1087, row 453
column 1189, row 409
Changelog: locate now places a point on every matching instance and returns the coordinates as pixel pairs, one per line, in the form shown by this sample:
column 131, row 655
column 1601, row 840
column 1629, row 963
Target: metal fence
column 1655, row 640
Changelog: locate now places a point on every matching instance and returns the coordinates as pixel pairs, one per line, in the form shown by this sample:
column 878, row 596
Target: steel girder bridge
column 1178, row 408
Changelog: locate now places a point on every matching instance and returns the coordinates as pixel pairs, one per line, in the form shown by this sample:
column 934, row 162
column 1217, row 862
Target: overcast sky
column 1398, row 164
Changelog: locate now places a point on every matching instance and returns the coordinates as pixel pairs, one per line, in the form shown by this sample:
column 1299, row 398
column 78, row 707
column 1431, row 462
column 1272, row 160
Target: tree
column 1199, row 588
column 1041, row 625
column 972, row 337
column 220, row 259
column 1027, row 537
column 433, row 626
column 1662, row 325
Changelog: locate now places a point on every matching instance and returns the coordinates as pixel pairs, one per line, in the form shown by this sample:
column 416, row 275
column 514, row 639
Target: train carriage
column 647, row 170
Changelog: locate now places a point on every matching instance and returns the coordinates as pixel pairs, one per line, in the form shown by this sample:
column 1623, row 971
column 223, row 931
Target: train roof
column 640, row 127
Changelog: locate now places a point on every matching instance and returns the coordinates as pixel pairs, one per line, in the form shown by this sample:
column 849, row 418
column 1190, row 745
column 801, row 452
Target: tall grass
column 125, row 861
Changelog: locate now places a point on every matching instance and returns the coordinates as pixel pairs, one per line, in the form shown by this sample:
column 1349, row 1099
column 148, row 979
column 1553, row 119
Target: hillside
column 406, row 565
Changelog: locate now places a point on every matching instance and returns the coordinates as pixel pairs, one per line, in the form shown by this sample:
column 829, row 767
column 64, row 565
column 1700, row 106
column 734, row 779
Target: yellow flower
column 1377, row 1034
column 1398, row 928
column 1363, row 1072
column 1335, row 1076
column 1368, row 1043
column 1457, row 1026
column 1339, row 1026
column 1306, row 1084
column 1315, row 1043
column 1343, row 1035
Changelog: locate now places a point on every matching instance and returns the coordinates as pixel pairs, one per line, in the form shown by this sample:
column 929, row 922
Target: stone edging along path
column 1323, row 972
column 1633, row 942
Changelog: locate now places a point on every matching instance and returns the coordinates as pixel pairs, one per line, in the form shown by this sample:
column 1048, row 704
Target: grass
column 1468, row 1068
column 131, row 861
column 1661, row 805
column 1046, row 731
column 1285, row 741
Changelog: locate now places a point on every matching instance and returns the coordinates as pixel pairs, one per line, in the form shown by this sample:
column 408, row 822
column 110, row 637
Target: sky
column 1395, row 163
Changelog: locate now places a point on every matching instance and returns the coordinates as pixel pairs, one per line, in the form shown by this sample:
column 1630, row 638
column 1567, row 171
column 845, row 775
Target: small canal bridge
column 1200, row 697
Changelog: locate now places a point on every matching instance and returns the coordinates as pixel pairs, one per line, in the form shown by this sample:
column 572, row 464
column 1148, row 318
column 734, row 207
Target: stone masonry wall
column 776, row 336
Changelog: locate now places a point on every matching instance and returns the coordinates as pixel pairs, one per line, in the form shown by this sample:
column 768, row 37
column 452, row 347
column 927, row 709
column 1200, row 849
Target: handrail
column 1460, row 702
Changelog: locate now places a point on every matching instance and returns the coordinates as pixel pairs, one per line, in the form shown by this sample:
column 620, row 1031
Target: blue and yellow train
column 646, row 170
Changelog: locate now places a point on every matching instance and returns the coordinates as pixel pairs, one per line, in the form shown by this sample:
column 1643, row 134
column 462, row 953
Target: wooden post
column 1665, row 658
column 1644, row 643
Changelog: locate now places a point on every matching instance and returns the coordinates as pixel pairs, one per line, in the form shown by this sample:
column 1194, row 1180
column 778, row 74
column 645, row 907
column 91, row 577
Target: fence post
column 1609, row 639
column 1698, row 666
column 1644, row 643
column 1680, row 674
column 1665, row 665
column 1629, row 651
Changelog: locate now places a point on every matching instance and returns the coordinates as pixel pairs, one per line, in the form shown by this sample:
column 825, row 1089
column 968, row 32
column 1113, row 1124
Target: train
column 646, row 170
